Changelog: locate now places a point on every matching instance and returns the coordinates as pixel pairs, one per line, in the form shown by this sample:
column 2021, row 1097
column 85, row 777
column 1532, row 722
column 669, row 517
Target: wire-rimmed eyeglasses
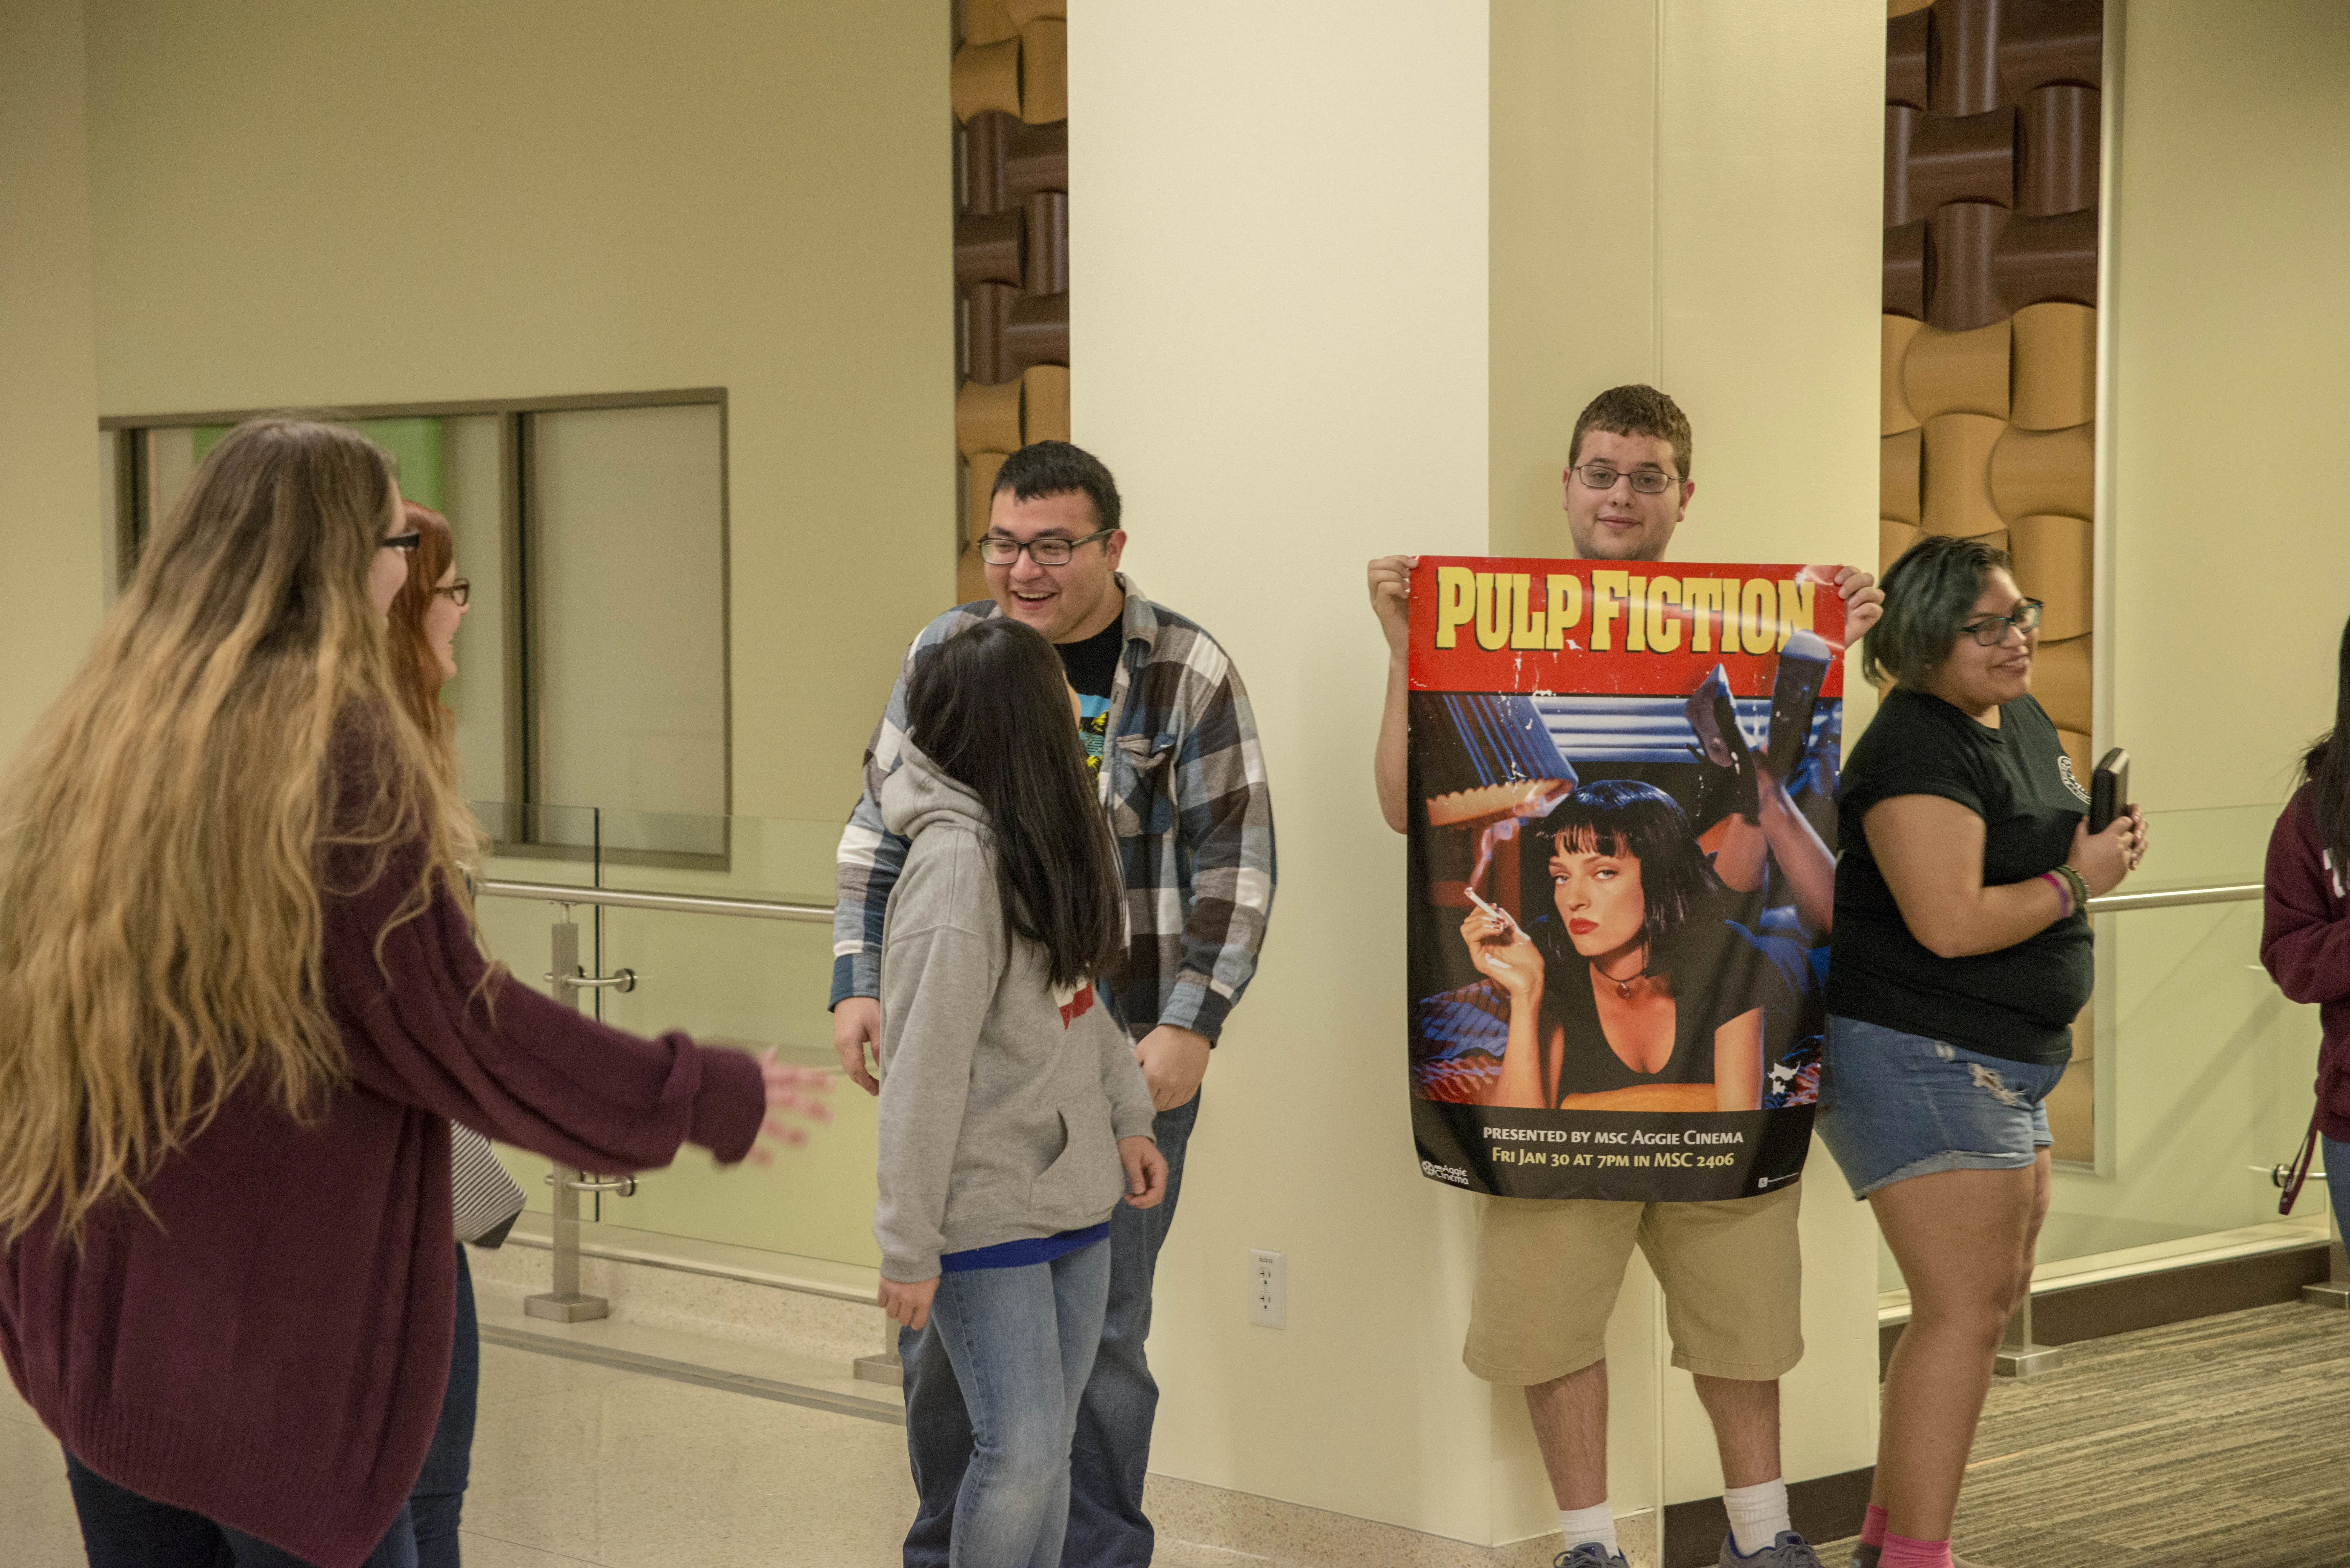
column 1600, row 476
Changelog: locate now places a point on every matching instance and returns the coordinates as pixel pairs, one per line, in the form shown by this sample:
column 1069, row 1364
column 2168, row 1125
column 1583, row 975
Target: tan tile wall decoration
column 1011, row 91
column 1991, row 118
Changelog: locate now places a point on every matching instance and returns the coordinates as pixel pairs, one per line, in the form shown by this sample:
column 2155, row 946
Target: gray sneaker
column 1789, row 1550
column 1590, row 1554
column 1867, row 1557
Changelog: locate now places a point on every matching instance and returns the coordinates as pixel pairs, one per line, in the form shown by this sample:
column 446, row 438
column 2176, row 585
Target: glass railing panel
column 2195, row 1078
column 548, row 844
column 2207, row 1066
column 727, row 979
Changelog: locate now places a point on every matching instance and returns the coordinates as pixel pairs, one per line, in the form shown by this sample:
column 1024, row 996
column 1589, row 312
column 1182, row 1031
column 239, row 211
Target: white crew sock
column 1757, row 1514
column 1582, row 1524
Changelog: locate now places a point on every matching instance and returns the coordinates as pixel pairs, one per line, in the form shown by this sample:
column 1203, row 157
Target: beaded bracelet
column 2080, row 888
column 2063, row 891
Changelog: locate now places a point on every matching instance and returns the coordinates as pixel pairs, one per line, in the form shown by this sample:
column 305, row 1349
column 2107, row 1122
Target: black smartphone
column 2108, row 790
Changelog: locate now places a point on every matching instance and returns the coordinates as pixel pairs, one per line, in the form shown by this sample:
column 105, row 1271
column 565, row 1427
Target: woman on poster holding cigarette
column 1641, row 995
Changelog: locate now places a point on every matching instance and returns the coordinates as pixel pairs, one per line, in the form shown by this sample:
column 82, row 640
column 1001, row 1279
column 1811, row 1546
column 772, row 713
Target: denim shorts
column 1894, row 1105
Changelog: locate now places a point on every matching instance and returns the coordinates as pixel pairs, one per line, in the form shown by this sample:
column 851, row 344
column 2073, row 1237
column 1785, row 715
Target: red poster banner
column 1622, row 865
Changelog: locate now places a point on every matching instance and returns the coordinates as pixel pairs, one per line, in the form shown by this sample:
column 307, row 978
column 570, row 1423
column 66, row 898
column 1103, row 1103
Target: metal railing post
column 565, row 1302
column 885, row 1367
column 2334, row 1290
column 2018, row 1356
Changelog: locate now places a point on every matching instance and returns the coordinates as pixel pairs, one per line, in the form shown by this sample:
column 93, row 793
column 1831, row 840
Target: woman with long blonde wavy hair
column 241, row 999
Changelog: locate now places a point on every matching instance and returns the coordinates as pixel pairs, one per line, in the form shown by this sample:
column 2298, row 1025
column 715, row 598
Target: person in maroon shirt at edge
column 2305, row 935
column 241, row 999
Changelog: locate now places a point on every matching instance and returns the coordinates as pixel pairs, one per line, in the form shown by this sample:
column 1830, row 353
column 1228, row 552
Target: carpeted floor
column 2224, row 1441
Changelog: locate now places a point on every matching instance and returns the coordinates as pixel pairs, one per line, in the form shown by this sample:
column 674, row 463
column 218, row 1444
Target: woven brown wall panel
column 2060, row 679
column 2048, row 258
column 1906, row 80
column 2056, row 151
column 1905, row 270
column 1046, row 220
column 2042, row 42
column 1930, row 161
column 1956, row 489
column 1894, row 412
column 990, row 248
column 987, row 418
column 2035, row 472
column 1897, row 468
column 1962, row 290
column 1958, row 372
column 1963, row 57
column 1009, row 87
column 2055, row 367
column 2055, row 563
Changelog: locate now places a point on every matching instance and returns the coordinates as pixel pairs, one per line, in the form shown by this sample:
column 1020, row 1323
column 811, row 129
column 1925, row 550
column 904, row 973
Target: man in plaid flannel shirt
column 1166, row 724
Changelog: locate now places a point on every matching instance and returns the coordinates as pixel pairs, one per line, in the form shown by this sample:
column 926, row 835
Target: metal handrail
column 675, row 903
column 768, row 909
column 2175, row 899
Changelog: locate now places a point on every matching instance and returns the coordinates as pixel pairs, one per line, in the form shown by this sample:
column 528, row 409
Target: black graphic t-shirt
column 1092, row 666
column 2019, row 1001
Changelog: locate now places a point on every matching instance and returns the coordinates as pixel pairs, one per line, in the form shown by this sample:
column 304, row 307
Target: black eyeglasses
column 1599, row 476
column 998, row 551
column 458, row 593
column 1992, row 630
column 404, row 543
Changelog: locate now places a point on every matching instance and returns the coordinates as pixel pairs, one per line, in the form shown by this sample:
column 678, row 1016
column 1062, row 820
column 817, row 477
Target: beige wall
column 2231, row 226
column 348, row 205
column 1308, row 336
column 48, row 390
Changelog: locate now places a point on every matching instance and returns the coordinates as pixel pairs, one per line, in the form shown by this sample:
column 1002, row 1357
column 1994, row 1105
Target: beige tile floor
column 575, row 1463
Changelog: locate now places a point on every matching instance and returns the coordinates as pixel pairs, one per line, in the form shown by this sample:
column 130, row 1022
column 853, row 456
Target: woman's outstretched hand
column 1504, row 954
column 1145, row 1172
column 795, row 1095
column 2102, row 859
column 908, row 1304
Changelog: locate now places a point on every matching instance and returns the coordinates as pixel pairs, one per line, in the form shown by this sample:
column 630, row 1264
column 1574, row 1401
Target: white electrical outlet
column 1268, row 1289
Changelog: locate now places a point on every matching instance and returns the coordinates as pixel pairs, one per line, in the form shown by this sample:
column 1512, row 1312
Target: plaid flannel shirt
column 1183, row 781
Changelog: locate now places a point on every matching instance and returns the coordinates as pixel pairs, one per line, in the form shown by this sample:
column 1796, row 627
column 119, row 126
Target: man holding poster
column 1619, row 786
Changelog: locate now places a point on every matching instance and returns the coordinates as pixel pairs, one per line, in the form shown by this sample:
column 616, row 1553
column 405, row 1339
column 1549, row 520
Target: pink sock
column 1872, row 1528
column 1900, row 1552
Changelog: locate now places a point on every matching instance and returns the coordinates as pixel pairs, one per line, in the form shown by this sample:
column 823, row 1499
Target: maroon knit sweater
column 2305, row 943
column 273, row 1353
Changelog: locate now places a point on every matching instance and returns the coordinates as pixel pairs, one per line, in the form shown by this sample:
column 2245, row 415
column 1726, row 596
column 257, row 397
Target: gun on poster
column 1621, row 873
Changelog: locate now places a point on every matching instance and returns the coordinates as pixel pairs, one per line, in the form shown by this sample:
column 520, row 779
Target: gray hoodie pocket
column 1087, row 1180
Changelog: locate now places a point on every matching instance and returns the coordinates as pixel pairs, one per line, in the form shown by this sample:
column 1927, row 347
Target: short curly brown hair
column 1635, row 410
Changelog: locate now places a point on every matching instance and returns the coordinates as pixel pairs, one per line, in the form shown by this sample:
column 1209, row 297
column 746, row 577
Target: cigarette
column 1498, row 913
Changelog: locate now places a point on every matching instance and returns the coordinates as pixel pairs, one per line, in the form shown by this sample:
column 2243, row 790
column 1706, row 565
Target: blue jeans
column 438, row 1499
column 1895, row 1105
column 1112, row 1453
column 121, row 1528
column 2335, row 1157
column 1021, row 1342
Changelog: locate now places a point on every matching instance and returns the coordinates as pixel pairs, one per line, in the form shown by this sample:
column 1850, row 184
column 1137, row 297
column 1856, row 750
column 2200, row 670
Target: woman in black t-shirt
column 1596, row 1019
column 1962, row 957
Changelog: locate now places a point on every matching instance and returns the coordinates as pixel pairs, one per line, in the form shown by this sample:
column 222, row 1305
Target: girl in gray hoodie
column 1013, row 1119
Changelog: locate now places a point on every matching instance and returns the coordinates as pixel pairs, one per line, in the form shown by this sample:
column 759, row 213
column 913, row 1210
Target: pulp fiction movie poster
column 1622, row 873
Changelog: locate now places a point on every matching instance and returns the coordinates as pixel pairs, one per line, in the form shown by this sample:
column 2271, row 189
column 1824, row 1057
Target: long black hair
column 990, row 707
column 2326, row 767
column 1628, row 818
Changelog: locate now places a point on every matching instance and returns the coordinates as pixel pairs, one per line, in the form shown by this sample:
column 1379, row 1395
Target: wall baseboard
column 2067, row 1315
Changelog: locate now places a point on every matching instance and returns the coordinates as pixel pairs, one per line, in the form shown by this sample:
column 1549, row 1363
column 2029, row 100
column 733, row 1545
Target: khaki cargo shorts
column 1548, row 1271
